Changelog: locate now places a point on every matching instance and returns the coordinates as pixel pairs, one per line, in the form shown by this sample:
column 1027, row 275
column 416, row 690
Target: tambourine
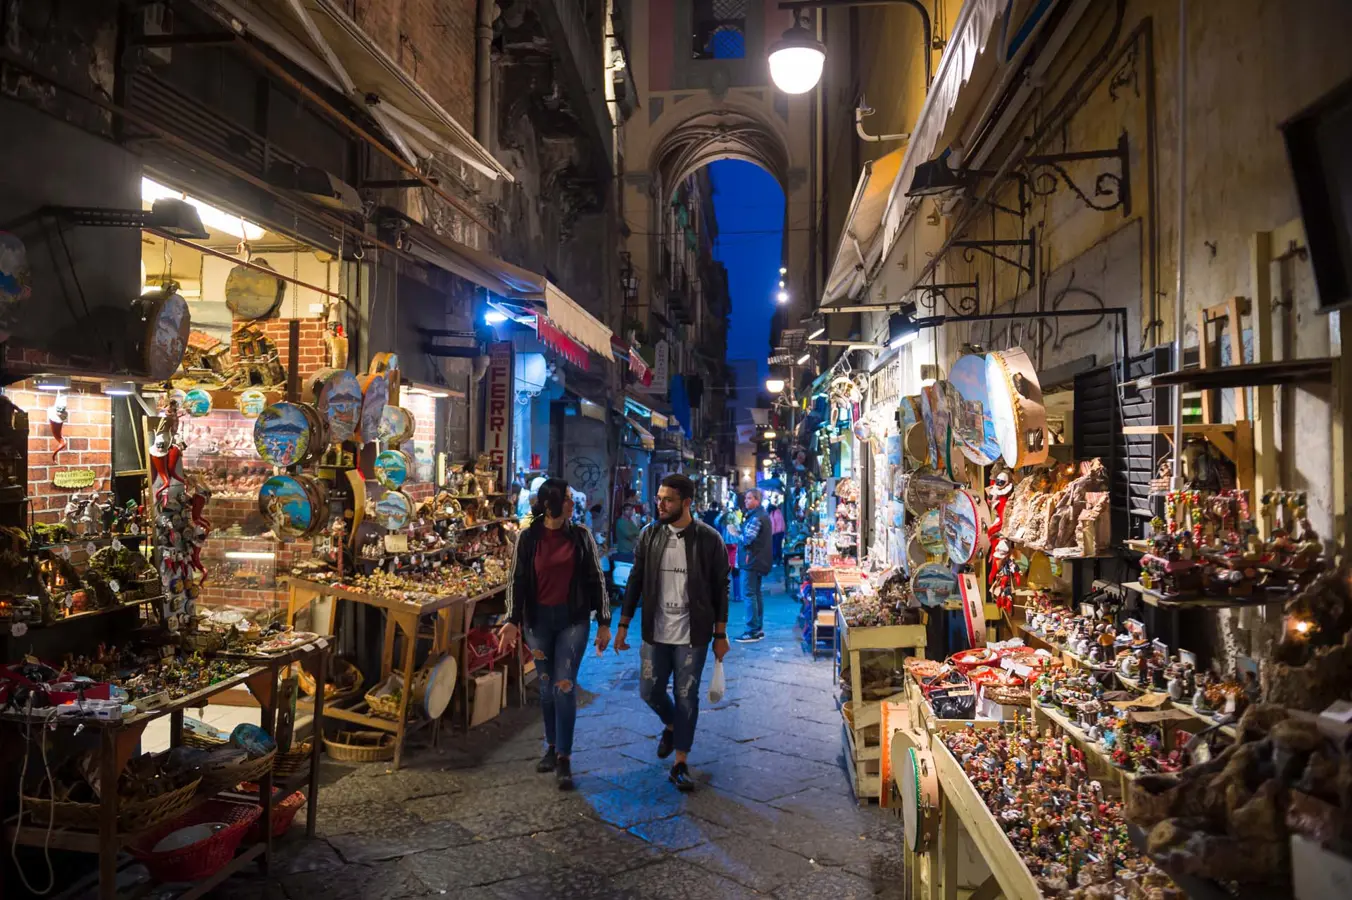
column 282, row 434
column 251, row 294
column 933, row 584
column 926, row 491
column 1016, row 407
column 973, row 426
column 934, row 407
column 319, row 433
column 337, row 395
column 973, row 609
column 288, row 503
column 392, row 468
column 393, row 510
column 919, row 786
column 383, row 364
column 929, row 531
column 963, row 527
column 440, row 687
column 915, row 553
column 374, row 395
column 916, row 443
column 160, row 326
column 396, row 425
column 197, row 402
column 251, row 403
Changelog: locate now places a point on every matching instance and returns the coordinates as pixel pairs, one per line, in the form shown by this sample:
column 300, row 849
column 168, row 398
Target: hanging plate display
column 253, row 294
column 392, row 467
column 282, row 434
column 160, row 332
column 917, row 445
column 925, row 491
column 929, row 530
column 396, row 425
column 934, row 584
column 973, row 426
column 287, row 506
column 393, row 510
column 1016, row 407
column 374, row 393
column 962, row 526
column 337, row 395
column 251, row 403
column 919, row 798
column 197, row 402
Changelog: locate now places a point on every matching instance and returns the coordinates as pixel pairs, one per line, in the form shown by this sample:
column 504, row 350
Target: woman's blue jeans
column 683, row 665
column 558, row 647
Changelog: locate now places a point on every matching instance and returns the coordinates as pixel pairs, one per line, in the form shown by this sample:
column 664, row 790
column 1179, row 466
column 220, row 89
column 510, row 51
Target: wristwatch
column 721, row 637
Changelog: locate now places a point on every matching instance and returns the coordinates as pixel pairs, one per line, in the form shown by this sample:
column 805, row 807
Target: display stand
column 448, row 633
column 118, row 742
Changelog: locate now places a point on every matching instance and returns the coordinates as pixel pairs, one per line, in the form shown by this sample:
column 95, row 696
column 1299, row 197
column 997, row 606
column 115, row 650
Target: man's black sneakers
column 563, row 771
column 751, row 637
column 666, row 744
column 680, row 776
column 547, row 762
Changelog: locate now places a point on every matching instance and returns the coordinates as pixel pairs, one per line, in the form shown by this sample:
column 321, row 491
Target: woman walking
column 554, row 587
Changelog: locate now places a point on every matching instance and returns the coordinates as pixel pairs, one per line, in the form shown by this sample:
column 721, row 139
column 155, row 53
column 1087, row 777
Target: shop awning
column 352, row 63
column 860, row 248
column 552, row 337
column 645, row 436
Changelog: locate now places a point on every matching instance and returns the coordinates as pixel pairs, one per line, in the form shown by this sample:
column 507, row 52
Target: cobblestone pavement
column 774, row 814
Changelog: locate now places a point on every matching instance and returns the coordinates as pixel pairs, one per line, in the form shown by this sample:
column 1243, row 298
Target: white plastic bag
column 718, row 684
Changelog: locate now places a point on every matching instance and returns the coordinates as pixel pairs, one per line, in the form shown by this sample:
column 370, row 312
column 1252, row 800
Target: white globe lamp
column 796, row 60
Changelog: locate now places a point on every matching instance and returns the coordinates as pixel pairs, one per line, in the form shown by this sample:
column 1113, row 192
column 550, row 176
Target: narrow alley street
column 774, row 814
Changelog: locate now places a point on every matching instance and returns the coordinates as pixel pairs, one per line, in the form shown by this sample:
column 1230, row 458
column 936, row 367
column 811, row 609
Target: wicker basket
column 344, row 680
column 360, row 746
column 284, row 811
column 204, row 858
column 227, row 776
column 133, row 816
column 203, row 741
column 292, row 761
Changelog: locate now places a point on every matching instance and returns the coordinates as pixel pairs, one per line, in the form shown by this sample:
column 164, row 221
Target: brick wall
column 431, row 40
column 89, row 436
column 249, row 582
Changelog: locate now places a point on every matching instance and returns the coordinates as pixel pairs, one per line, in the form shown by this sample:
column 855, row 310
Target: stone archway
column 716, row 134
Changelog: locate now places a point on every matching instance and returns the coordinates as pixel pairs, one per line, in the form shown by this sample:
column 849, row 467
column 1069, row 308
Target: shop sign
column 498, row 421
column 661, row 369
column 885, row 384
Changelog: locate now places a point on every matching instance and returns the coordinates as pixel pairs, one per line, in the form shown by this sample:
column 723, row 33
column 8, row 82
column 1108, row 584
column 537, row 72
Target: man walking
column 681, row 576
column 755, row 561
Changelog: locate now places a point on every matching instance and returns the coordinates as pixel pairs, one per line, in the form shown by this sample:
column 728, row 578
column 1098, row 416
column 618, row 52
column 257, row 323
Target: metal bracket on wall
column 1046, row 173
column 968, row 303
column 990, row 248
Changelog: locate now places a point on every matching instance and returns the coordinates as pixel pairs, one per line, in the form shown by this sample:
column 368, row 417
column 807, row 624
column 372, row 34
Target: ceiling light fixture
column 52, row 383
column 119, row 388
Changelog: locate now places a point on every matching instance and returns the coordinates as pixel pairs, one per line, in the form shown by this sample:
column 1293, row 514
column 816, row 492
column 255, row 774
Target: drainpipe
column 863, row 110
column 483, row 70
column 1182, row 255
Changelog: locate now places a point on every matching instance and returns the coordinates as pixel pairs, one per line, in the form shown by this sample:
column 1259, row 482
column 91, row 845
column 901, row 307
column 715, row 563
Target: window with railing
column 719, row 30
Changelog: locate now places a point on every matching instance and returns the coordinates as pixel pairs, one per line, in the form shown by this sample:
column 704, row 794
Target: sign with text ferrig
column 498, row 405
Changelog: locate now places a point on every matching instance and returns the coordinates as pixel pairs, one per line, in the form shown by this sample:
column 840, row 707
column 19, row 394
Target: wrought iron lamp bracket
column 967, row 304
column 1047, row 173
column 992, row 247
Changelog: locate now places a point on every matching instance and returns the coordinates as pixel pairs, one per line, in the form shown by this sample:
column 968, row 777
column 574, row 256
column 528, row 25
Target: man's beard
column 672, row 518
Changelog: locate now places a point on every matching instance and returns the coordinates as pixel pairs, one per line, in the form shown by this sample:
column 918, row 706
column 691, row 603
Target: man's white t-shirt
column 672, row 625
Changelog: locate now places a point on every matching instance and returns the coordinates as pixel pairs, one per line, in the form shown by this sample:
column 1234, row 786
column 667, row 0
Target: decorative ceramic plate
column 392, row 468
column 933, row 584
column 287, row 505
column 374, row 394
column 164, row 325
column 251, row 403
column 197, row 402
column 393, row 510
column 961, row 527
column 282, row 434
column 929, row 530
column 338, row 397
column 973, row 426
column 396, row 425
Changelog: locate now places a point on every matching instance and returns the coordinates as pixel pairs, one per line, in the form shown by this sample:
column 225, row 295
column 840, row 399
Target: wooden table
column 118, row 741
column 452, row 619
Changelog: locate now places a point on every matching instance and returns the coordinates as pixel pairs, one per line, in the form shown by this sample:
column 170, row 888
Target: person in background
column 732, row 535
column 680, row 576
column 712, row 513
column 514, row 495
column 755, row 562
column 776, row 533
column 626, row 531
column 554, row 587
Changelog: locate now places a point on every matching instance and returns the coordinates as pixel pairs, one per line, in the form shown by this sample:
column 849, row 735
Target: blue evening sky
column 750, row 209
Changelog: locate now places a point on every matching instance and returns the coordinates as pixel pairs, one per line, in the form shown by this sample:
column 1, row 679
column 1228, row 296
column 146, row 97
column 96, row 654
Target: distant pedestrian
column 755, row 561
column 554, row 587
column 626, row 530
column 777, row 533
column 680, row 575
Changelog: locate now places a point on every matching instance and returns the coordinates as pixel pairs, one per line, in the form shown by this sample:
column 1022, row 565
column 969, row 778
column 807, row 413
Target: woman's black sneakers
column 563, row 771
column 547, row 762
column 680, row 776
column 666, row 744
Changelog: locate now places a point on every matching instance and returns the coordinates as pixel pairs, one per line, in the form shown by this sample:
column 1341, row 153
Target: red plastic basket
column 284, row 811
column 482, row 648
column 205, row 858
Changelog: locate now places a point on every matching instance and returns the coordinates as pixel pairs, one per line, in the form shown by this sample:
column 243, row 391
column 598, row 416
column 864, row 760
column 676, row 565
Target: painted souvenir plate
column 933, row 584
column 961, row 527
column 374, row 394
column 338, row 397
column 164, row 324
column 282, row 434
column 929, row 530
column 287, row 505
column 973, row 426
column 197, row 402
column 251, row 403
column 392, row 468
column 396, row 425
column 926, row 491
column 392, row 510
